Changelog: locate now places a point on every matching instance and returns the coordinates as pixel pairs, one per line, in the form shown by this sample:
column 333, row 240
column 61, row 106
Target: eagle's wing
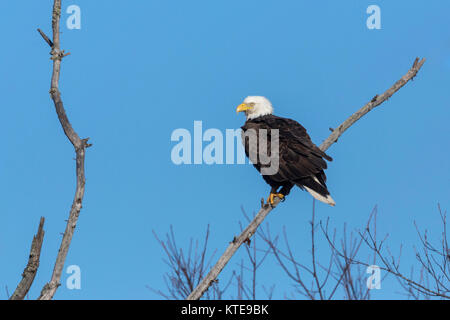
column 300, row 158
column 294, row 130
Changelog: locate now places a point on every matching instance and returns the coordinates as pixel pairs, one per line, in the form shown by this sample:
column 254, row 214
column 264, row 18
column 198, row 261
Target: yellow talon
column 270, row 199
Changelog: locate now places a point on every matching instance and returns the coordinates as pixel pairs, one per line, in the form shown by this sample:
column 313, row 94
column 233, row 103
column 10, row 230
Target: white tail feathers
column 328, row 199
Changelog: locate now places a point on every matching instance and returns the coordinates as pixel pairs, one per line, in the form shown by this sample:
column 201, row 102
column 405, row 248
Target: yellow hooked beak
column 243, row 107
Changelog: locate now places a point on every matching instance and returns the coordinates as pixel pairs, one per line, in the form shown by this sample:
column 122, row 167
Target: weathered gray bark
column 79, row 145
column 29, row 273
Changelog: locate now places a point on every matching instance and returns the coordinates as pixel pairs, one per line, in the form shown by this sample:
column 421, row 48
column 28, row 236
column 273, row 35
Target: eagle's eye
column 252, row 104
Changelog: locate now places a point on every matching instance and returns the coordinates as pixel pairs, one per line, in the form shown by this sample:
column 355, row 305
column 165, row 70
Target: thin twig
column 50, row 43
column 313, row 251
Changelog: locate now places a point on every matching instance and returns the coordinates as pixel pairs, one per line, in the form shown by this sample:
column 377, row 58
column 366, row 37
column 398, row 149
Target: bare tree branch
column 265, row 210
column 427, row 263
column 79, row 145
column 339, row 270
column 187, row 268
column 33, row 264
column 254, row 262
column 49, row 42
column 229, row 252
column 375, row 102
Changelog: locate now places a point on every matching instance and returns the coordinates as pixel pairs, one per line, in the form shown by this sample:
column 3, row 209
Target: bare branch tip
column 49, row 42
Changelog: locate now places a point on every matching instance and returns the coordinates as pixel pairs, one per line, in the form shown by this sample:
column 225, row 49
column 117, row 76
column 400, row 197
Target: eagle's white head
column 255, row 106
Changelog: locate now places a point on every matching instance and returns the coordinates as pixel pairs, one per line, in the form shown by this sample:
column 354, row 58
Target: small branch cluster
column 343, row 275
column 433, row 262
column 316, row 280
column 186, row 269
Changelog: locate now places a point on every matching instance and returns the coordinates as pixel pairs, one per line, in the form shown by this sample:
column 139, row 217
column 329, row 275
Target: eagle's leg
column 280, row 194
column 273, row 194
column 286, row 189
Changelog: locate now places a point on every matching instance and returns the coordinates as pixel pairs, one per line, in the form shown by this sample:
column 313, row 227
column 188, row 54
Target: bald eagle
column 300, row 162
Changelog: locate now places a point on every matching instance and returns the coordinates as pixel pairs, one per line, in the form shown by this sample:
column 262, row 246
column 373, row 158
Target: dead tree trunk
column 80, row 146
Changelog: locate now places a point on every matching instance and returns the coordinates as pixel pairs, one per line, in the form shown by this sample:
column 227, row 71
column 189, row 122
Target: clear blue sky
column 140, row 69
